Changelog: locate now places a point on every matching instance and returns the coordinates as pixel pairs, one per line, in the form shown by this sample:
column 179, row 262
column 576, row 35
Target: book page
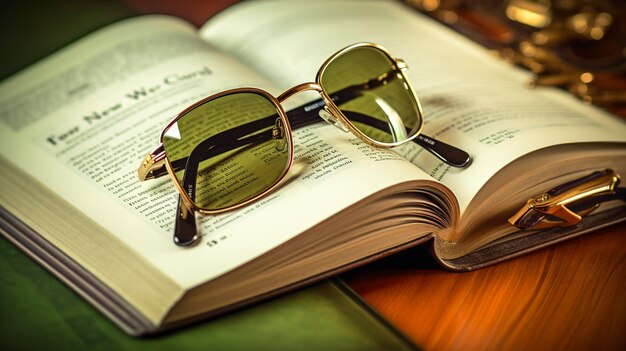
column 82, row 120
column 469, row 98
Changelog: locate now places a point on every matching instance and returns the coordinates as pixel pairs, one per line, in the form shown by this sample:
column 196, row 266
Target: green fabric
column 32, row 30
column 39, row 312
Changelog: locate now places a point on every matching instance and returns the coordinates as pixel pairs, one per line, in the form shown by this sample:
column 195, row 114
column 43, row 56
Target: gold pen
column 566, row 204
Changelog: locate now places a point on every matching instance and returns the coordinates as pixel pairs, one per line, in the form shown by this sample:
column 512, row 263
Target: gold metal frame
column 152, row 164
column 334, row 109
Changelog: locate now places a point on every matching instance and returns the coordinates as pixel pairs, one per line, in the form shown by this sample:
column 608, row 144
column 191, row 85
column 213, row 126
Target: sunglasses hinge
column 328, row 116
column 153, row 165
column 401, row 64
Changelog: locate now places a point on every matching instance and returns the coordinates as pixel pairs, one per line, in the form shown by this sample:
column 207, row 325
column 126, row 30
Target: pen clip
column 566, row 204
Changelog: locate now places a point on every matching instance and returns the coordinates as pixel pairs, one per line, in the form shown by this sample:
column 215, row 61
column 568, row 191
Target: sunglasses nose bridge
column 329, row 115
column 298, row 89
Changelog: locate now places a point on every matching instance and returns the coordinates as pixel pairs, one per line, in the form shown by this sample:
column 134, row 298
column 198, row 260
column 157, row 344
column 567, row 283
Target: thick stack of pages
column 74, row 127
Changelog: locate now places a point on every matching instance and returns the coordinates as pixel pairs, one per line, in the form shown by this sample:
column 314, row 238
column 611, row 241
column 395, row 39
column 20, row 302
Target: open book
column 74, row 127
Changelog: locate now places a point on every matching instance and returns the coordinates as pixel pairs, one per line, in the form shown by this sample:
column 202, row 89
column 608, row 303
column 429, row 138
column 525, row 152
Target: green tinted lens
column 373, row 94
column 228, row 150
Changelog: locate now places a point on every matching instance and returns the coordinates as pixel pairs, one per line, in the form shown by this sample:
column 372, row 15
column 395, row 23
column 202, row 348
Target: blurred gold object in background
column 578, row 45
column 532, row 13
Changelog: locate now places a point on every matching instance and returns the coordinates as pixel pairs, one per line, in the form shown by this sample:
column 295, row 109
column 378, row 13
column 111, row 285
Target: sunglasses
column 232, row 148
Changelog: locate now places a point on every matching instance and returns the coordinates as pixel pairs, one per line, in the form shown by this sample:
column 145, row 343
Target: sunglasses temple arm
column 298, row 118
column 445, row 152
column 307, row 114
column 185, row 227
column 208, row 148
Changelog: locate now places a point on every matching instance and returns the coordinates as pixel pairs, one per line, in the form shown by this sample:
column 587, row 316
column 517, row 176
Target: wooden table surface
column 569, row 296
